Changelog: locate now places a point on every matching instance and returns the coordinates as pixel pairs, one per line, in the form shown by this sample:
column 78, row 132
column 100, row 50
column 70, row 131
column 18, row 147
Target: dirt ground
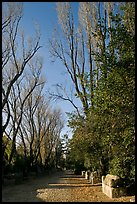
column 59, row 187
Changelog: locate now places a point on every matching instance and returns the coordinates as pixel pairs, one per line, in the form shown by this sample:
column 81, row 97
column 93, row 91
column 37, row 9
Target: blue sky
column 44, row 13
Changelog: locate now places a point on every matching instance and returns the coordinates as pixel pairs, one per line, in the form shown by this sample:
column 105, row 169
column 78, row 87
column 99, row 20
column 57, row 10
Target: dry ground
column 60, row 187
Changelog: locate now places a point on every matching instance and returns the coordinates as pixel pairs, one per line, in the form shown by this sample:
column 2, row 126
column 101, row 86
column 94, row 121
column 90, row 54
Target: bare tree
column 40, row 127
column 18, row 96
column 91, row 15
column 28, row 120
column 51, row 140
column 70, row 49
column 77, row 46
column 89, row 22
column 16, row 51
column 65, row 95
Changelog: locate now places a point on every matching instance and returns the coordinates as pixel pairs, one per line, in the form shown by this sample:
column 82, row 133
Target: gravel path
column 60, row 187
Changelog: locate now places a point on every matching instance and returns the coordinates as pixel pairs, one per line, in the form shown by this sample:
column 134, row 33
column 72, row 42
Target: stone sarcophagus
column 83, row 173
column 94, row 177
column 112, row 186
column 87, row 174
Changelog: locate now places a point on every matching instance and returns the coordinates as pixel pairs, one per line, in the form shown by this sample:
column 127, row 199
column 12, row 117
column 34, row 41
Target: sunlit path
column 61, row 186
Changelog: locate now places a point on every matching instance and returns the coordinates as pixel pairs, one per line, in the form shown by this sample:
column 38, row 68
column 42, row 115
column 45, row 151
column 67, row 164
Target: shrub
column 123, row 167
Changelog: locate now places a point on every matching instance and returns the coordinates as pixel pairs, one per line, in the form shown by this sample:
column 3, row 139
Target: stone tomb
column 112, row 186
column 94, row 177
column 83, row 173
column 87, row 174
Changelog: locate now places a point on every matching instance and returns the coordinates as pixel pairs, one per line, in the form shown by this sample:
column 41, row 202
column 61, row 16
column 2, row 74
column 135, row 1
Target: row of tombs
column 112, row 185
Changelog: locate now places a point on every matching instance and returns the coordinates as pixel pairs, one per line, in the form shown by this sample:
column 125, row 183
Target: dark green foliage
column 78, row 168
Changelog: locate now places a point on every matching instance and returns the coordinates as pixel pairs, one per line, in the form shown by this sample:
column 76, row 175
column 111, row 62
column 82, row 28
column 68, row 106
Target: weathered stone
column 113, row 192
column 132, row 199
column 87, row 174
column 83, row 173
column 111, row 186
column 94, row 177
column 91, row 178
column 112, row 180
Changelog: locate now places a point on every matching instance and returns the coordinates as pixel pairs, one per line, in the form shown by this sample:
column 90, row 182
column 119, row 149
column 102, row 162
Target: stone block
column 87, row 174
column 112, row 186
column 94, row 178
column 112, row 180
column 132, row 199
column 113, row 192
column 83, row 173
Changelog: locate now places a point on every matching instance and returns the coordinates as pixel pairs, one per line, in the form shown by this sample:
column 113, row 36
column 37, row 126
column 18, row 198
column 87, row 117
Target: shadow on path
column 27, row 192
